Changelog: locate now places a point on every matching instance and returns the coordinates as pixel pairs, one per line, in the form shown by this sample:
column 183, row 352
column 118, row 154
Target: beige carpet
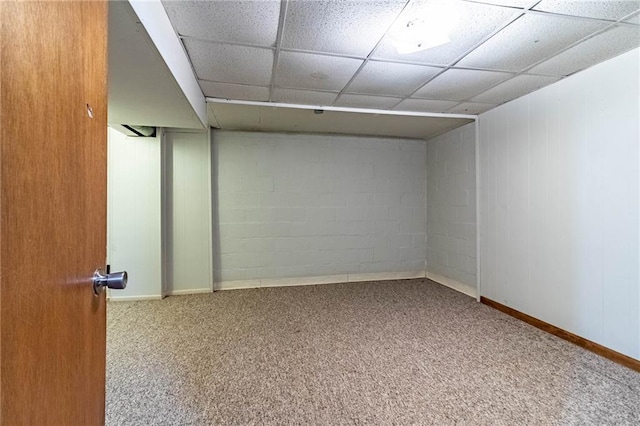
column 396, row 352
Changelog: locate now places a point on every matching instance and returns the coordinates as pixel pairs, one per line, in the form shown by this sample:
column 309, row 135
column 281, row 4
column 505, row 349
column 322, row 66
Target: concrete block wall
column 290, row 206
column 451, row 207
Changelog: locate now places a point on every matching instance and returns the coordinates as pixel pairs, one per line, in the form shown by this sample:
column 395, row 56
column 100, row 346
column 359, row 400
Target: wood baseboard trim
column 594, row 347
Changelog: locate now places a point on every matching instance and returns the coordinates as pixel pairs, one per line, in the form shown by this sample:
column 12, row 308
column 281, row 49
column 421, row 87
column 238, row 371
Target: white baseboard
column 189, row 291
column 453, row 284
column 236, row 285
column 159, row 297
column 134, row 298
column 288, row 282
column 330, row 279
column 302, row 281
column 385, row 276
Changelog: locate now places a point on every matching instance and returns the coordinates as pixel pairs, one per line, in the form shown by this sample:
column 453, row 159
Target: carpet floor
column 408, row 352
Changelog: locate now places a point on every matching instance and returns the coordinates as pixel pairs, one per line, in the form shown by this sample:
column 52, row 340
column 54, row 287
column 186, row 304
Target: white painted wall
column 559, row 193
column 155, row 20
column 290, row 205
column 451, row 209
column 133, row 213
column 187, row 202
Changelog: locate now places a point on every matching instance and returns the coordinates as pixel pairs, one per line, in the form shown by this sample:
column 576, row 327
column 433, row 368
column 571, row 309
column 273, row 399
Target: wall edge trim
column 189, row 291
column 343, row 279
column 135, row 298
column 453, row 284
column 319, row 280
column 589, row 345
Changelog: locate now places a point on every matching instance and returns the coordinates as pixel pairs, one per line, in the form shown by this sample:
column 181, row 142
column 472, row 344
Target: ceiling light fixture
column 430, row 27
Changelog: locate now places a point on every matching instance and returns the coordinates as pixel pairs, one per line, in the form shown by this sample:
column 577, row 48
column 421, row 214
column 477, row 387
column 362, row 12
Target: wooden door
column 52, row 211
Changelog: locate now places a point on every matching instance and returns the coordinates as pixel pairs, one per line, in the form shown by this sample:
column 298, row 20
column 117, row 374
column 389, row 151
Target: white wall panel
column 187, row 209
column 559, row 186
column 133, row 214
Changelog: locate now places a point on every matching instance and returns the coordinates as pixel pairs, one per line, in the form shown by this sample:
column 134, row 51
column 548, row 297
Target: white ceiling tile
column 365, row 101
column 634, row 20
column 234, row 91
column 473, row 108
column 383, row 78
column 514, row 88
column 456, row 85
column 424, row 105
column 253, row 22
column 509, row 3
column 593, row 51
column 476, row 22
column 305, row 97
column 610, row 9
column 350, row 27
column 309, row 71
column 230, row 64
column 528, row 40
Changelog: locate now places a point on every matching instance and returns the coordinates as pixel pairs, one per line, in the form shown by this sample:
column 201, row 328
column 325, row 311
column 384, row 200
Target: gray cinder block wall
column 290, row 205
column 451, row 206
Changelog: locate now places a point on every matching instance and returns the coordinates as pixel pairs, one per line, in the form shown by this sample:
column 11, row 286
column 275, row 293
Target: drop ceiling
column 338, row 53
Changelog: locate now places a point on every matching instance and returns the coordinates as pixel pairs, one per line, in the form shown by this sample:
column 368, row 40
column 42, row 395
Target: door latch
column 114, row 281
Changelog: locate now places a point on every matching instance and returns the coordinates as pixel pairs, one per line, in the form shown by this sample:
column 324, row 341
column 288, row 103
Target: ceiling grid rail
column 276, row 56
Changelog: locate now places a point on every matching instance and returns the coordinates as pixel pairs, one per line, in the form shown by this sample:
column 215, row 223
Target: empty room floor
column 392, row 352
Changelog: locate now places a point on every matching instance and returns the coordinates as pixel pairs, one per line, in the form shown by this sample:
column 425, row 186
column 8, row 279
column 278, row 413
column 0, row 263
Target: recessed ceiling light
column 427, row 28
